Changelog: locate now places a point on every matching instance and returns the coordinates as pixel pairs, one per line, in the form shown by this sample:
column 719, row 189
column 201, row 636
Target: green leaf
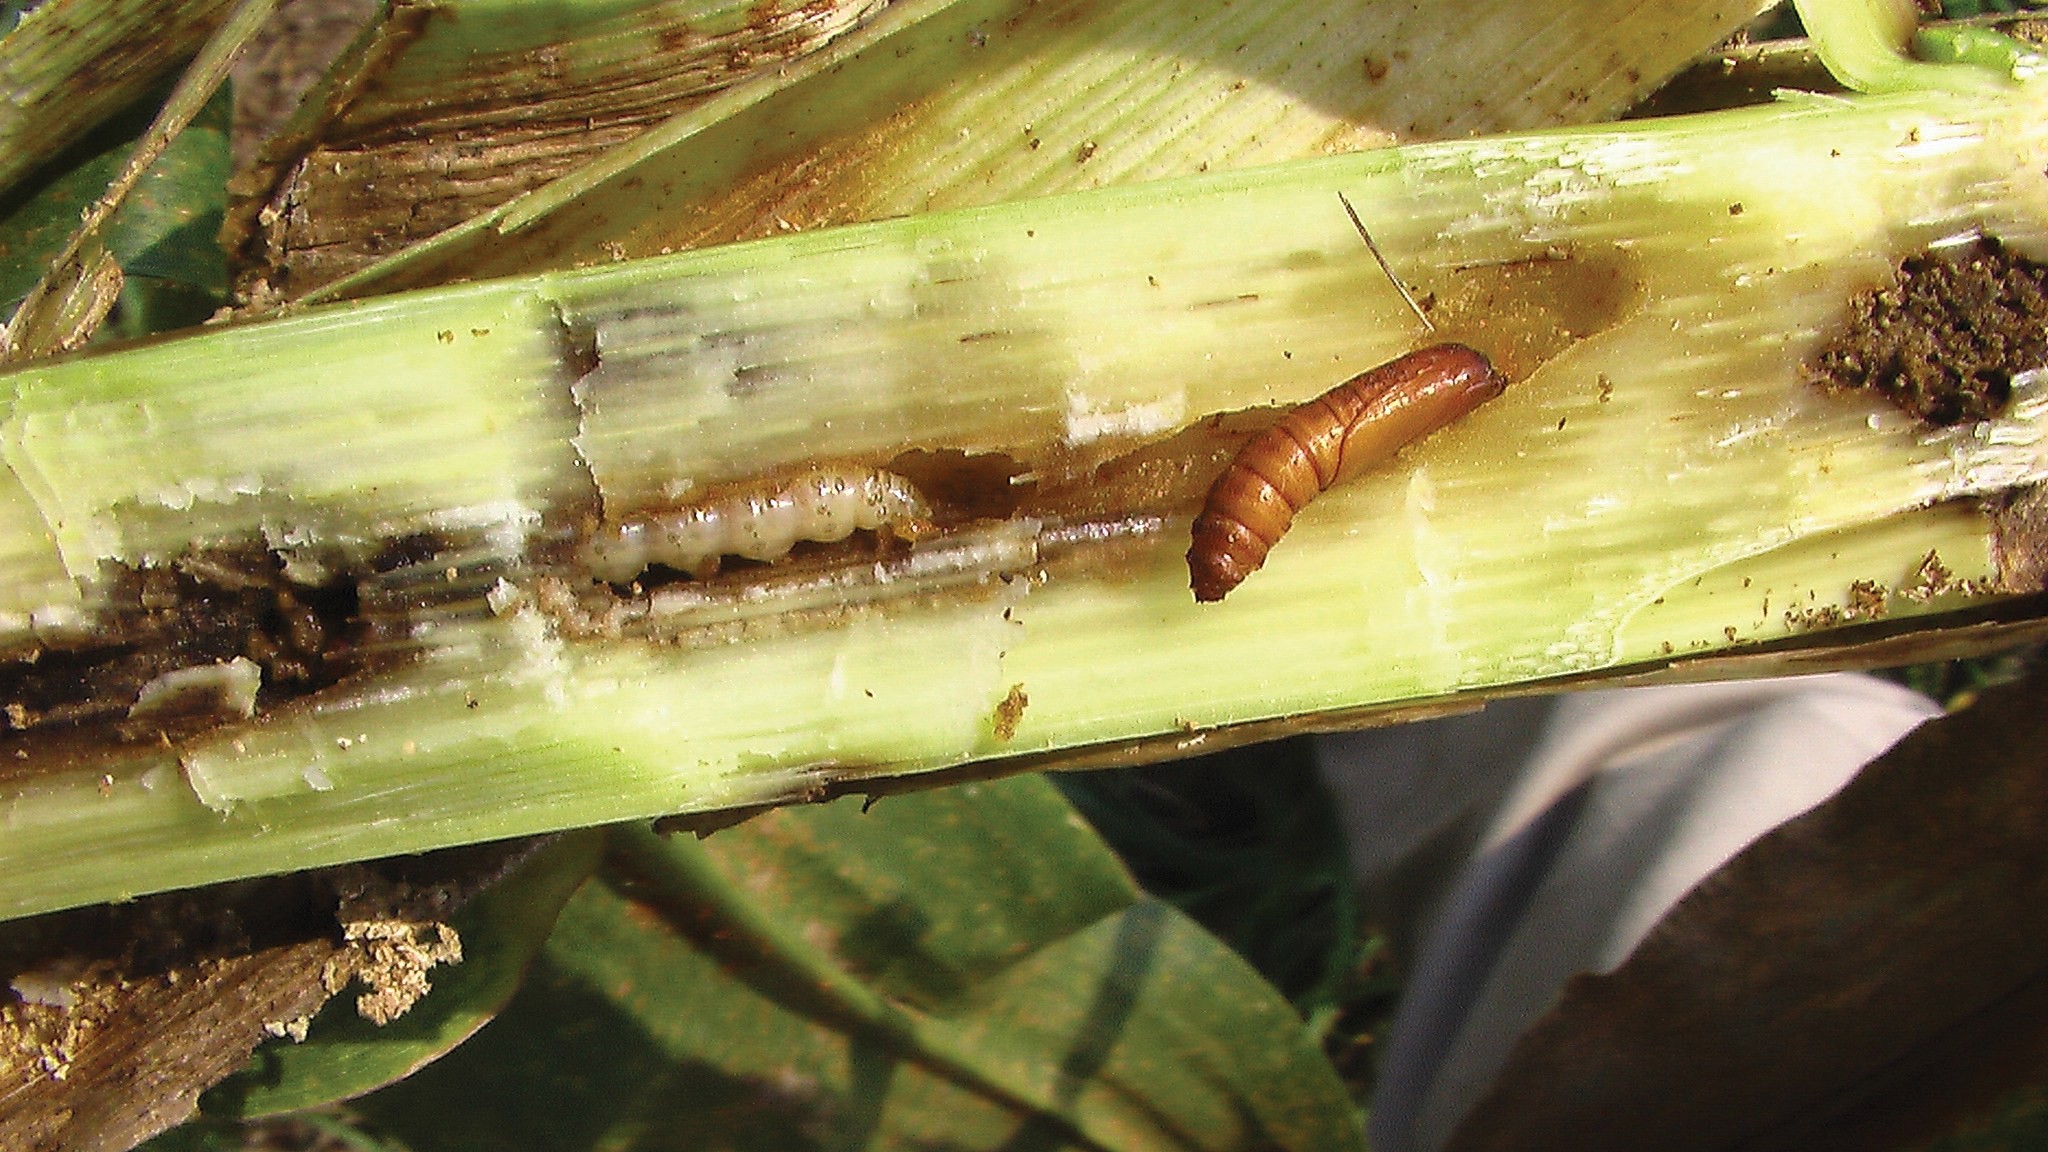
column 966, row 969
column 165, row 233
column 1984, row 48
column 344, row 1055
column 1246, row 842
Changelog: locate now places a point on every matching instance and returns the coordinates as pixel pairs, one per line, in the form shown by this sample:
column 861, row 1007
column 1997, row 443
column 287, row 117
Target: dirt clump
column 1945, row 339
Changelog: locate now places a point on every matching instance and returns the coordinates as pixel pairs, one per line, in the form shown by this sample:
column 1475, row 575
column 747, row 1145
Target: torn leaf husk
column 387, row 506
column 925, row 107
column 441, row 111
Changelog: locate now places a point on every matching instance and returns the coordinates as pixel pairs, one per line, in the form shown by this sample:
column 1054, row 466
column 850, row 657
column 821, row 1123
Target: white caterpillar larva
column 759, row 522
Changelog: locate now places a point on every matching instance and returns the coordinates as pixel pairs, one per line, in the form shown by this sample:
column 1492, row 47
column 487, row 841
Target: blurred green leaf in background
column 966, row 968
column 165, row 236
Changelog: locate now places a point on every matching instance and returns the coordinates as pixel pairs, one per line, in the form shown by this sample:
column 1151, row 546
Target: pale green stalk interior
column 1611, row 504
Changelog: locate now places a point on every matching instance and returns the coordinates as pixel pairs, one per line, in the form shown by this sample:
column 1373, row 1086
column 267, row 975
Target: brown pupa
column 1362, row 422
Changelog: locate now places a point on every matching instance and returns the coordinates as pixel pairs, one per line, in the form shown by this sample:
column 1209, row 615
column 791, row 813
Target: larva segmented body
column 1359, row 423
column 758, row 523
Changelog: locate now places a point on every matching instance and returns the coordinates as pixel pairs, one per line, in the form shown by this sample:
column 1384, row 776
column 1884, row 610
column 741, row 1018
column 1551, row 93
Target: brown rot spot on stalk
column 217, row 636
column 1009, row 714
column 209, row 637
column 1946, row 338
column 577, row 343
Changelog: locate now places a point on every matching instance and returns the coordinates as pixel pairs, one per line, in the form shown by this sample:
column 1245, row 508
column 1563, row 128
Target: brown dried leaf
column 133, row 1048
column 120, row 1016
column 400, row 145
column 910, row 125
